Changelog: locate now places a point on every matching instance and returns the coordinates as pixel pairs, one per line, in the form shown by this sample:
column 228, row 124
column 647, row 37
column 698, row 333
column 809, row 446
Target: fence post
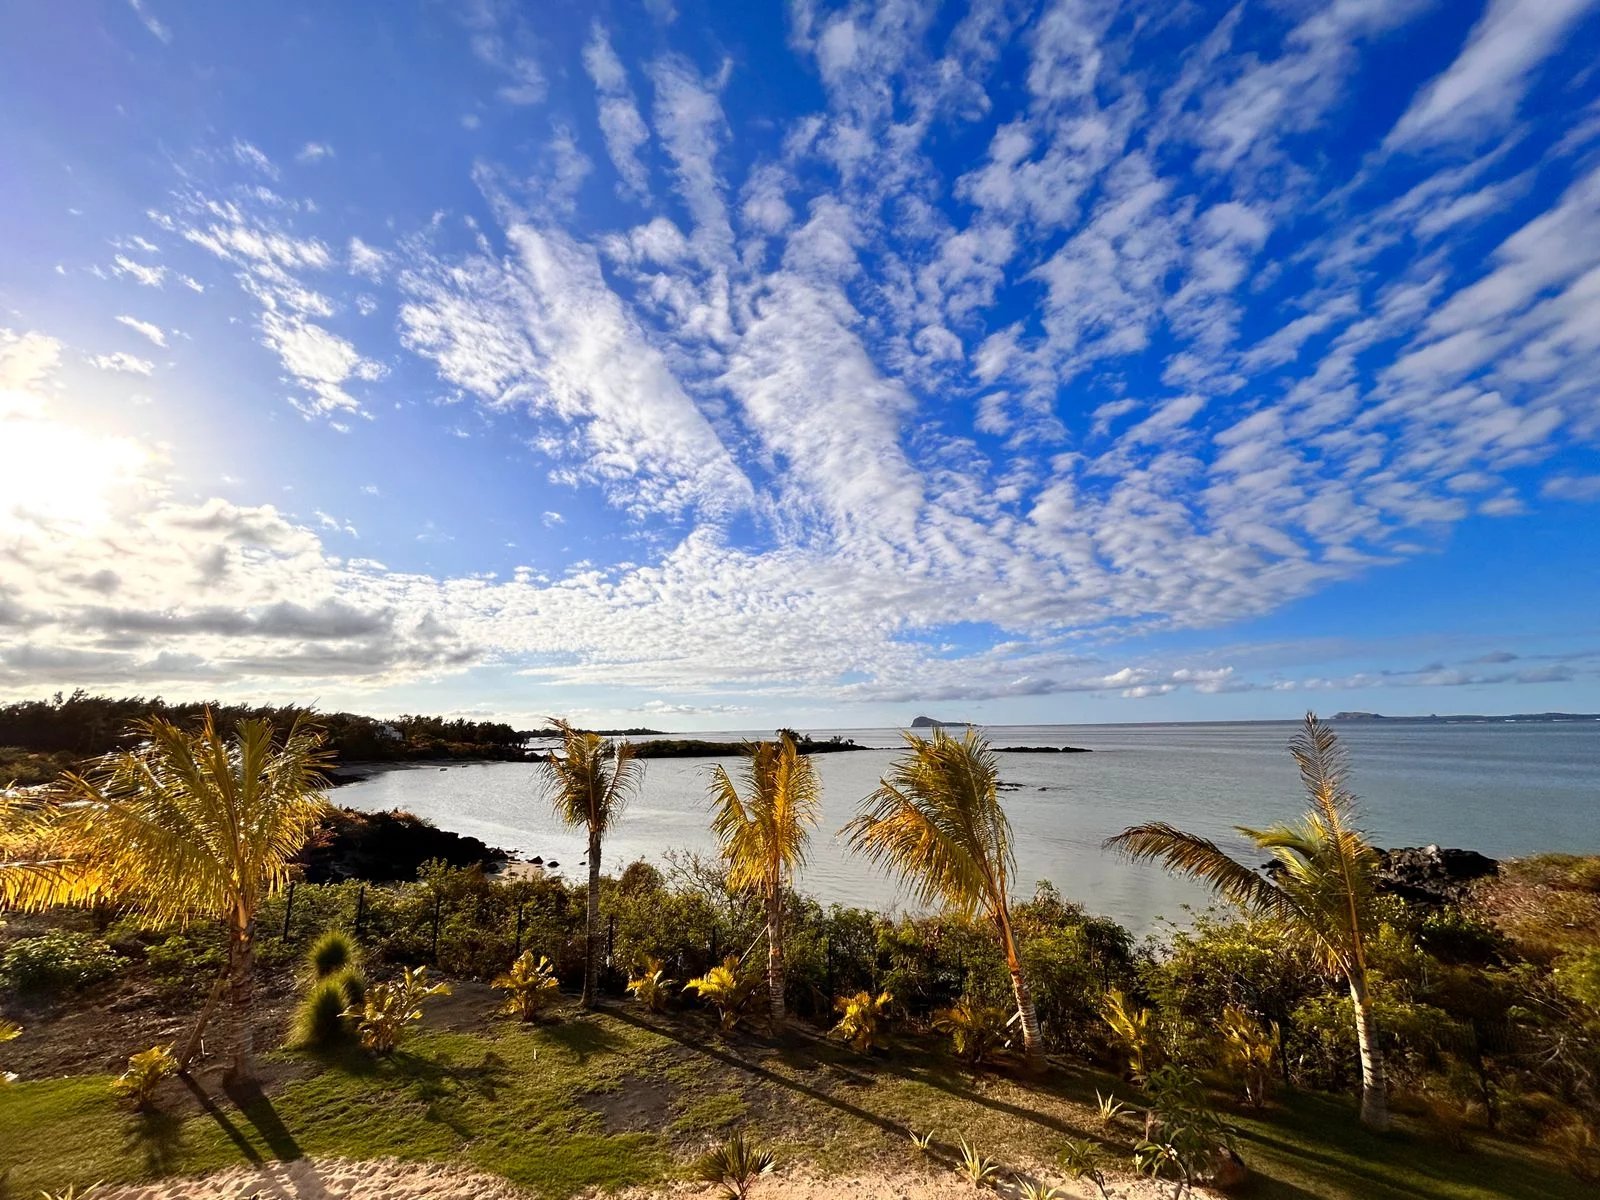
column 517, row 946
column 361, row 907
column 714, row 958
column 611, row 942
column 438, row 900
column 288, row 909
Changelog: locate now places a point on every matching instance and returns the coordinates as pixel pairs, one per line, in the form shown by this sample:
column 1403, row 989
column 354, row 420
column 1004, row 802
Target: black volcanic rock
column 387, row 847
column 1430, row 874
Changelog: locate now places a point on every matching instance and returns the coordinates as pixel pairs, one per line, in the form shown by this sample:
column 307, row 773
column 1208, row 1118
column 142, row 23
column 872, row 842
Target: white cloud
column 1481, row 90
column 249, row 155
column 123, row 362
column 314, row 152
column 148, row 20
column 620, row 123
column 145, row 329
column 1571, row 487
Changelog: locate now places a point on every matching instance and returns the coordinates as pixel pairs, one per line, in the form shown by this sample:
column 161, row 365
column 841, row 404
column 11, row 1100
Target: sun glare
column 57, row 472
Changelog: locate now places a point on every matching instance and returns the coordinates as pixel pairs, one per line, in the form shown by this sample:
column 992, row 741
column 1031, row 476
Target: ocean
column 1504, row 789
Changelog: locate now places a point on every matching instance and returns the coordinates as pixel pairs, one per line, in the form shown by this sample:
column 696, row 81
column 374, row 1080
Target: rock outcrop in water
column 386, row 847
column 1432, row 875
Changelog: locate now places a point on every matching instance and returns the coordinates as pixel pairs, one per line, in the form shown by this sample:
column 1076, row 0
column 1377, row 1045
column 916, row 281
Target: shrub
column 734, row 1166
column 860, row 1019
column 388, row 1008
column 979, row 1169
column 1086, row 1162
column 1131, row 1029
column 1249, row 1052
column 320, row 1021
column 652, row 987
column 54, row 962
column 8, row 1031
column 1577, row 1145
column 976, row 1030
column 727, row 989
column 145, row 1072
column 530, row 986
column 333, row 952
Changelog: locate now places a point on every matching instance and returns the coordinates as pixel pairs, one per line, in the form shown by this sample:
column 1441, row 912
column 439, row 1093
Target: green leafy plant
column 1131, row 1030
column 976, row 1030
column 530, row 985
column 653, row 986
column 727, row 989
column 333, row 952
column 145, row 1072
column 1249, row 1052
column 72, row 1192
column 734, row 1166
column 388, row 1008
column 1183, row 1134
column 978, row 1169
column 1110, row 1108
column 57, row 961
column 9, row 1030
column 1037, row 1189
column 1085, row 1161
column 861, row 1019
column 322, row 1021
column 922, row 1142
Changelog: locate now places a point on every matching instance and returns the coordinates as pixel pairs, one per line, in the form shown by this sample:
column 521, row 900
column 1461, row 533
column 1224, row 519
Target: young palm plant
column 734, row 1166
column 1320, row 892
column 589, row 784
column 763, row 835
column 936, row 821
column 182, row 827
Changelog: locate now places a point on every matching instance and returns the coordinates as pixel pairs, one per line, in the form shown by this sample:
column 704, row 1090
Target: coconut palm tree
column 763, row 834
column 183, row 827
column 1321, row 885
column 589, row 784
column 936, row 821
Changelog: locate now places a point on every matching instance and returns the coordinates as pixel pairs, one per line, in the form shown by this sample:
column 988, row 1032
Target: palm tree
column 183, row 827
column 589, row 785
column 936, row 821
column 1320, row 890
column 763, row 834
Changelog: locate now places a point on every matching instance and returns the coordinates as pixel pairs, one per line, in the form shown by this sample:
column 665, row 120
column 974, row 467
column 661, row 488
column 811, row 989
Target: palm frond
column 763, row 832
column 936, row 821
column 1199, row 858
column 590, row 783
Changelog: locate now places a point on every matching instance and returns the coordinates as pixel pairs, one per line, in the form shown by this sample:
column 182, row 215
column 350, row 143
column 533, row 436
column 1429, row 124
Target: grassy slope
column 614, row 1098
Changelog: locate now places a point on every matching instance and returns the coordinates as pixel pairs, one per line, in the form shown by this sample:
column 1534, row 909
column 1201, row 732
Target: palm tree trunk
column 191, row 1047
column 1374, row 1104
column 241, row 999
column 1032, row 1042
column 775, row 981
column 591, row 956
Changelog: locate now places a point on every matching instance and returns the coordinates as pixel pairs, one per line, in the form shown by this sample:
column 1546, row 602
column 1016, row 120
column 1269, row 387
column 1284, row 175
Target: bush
column 727, row 989
column 320, row 1022
column 653, row 987
column 734, row 1166
column 333, row 952
column 976, row 1030
column 145, row 1072
column 388, row 1008
column 54, row 962
column 529, row 986
column 860, row 1019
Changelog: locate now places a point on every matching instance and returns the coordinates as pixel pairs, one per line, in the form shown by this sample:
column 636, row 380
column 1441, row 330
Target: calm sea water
column 1503, row 789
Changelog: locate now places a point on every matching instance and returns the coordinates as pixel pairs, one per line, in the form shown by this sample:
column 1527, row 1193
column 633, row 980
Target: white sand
column 390, row 1179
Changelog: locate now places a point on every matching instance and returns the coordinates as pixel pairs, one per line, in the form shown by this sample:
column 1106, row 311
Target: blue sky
column 712, row 366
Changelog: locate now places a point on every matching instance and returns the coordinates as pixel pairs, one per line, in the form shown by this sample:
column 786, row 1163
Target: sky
column 725, row 366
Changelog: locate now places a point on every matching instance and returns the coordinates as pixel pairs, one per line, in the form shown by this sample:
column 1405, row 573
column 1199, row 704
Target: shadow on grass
column 582, row 1038
column 155, row 1138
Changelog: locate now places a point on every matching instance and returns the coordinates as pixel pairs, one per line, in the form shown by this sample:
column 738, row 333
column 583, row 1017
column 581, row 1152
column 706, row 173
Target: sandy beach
column 391, row 1179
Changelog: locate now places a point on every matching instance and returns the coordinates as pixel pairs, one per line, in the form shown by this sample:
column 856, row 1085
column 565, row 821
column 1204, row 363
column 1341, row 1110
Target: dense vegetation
column 1477, row 1006
column 41, row 738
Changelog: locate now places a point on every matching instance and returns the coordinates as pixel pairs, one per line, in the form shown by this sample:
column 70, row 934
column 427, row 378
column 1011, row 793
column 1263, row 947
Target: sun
column 55, row 472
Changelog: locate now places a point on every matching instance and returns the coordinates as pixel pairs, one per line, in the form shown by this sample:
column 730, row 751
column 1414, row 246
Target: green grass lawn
column 612, row 1098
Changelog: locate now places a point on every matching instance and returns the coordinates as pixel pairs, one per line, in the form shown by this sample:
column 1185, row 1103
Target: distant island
column 552, row 732
column 931, row 723
column 1544, row 718
column 1042, row 750
column 700, row 748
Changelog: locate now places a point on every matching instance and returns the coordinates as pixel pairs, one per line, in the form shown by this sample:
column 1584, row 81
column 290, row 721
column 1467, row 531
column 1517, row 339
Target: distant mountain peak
column 934, row 723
